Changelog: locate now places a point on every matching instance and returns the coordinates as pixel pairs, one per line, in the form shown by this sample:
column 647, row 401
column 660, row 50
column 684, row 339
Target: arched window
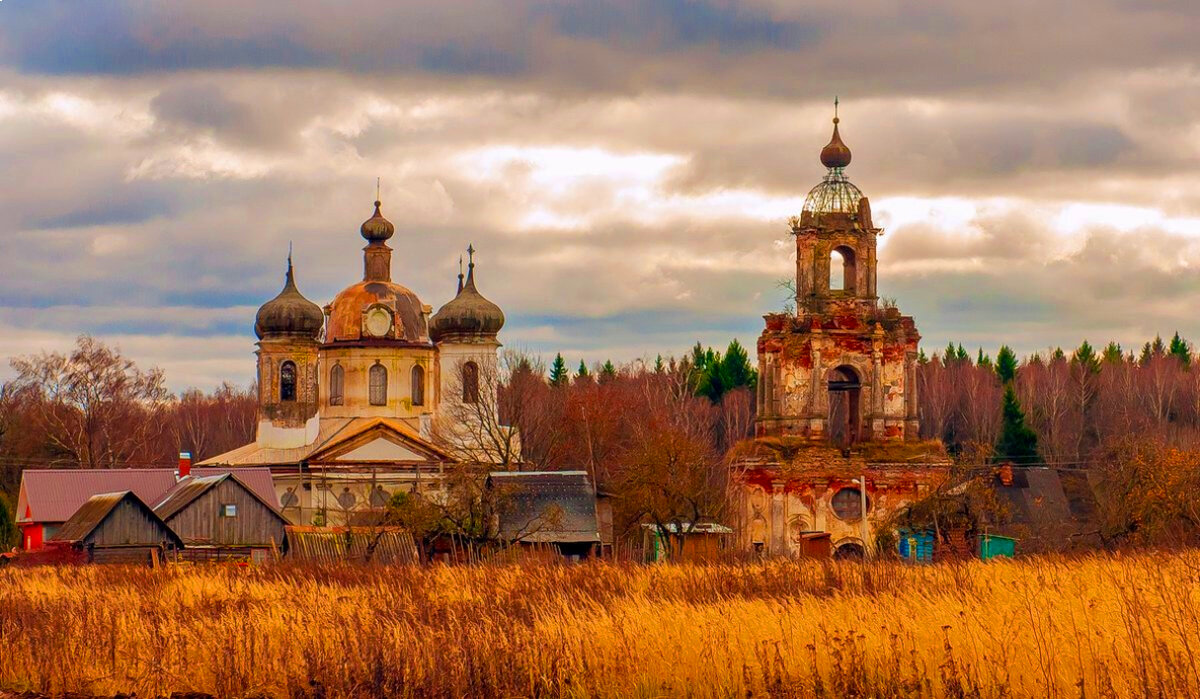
column 378, row 381
column 287, row 381
column 470, row 382
column 337, row 385
column 418, row 385
column 841, row 269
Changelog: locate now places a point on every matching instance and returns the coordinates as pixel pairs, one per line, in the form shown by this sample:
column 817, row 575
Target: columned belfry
column 841, row 368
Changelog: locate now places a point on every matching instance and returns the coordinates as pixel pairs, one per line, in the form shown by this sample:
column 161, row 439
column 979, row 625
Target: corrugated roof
column 332, row 432
column 53, row 495
column 386, row 545
column 95, row 510
column 546, row 506
column 189, row 489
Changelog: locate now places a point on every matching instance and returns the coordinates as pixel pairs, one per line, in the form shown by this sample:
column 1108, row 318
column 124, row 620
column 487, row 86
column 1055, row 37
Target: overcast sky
column 625, row 173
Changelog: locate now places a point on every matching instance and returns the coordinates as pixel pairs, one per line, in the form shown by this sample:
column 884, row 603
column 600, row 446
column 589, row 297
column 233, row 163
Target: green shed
column 994, row 545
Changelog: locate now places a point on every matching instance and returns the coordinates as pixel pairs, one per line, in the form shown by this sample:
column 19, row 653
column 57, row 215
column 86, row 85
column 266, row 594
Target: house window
column 287, row 381
column 470, row 382
column 847, row 504
column 337, row 385
column 418, row 385
column 229, row 510
column 378, row 384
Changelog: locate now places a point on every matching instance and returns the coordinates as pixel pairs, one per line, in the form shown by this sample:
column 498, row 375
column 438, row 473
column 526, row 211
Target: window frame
column 377, row 384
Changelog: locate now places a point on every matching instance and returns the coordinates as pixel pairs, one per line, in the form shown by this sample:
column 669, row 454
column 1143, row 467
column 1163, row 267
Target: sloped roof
column 332, row 432
column 189, row 489
column 96, row 509
column 53, row 495
column 1047, row 507
column 546, row 506
column 350, row 544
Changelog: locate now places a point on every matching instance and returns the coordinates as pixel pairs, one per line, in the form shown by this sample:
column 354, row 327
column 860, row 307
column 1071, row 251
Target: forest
column 658, row 432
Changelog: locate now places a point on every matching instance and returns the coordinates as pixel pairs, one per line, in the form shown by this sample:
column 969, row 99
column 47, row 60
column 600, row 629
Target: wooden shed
column 220, row 518
column 702, row 541
column 117, row 528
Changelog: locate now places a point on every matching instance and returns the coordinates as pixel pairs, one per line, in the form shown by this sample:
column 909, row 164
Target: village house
column 116, row 528
column 553, row 509
column 219, row 517
column 837, row 390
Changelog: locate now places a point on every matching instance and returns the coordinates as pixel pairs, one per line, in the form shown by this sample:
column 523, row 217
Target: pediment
column 381, row 449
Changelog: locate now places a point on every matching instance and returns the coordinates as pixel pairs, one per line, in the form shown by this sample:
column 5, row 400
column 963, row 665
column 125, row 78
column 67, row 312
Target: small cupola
column 468, row 314
column 289, row 315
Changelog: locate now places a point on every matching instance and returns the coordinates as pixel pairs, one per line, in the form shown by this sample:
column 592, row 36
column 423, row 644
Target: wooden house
column 703, row 541
column 554, row 509
column 221, row 518
column 116, row 528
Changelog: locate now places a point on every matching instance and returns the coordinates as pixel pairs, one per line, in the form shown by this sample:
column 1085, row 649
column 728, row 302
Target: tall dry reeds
column 1114, row 626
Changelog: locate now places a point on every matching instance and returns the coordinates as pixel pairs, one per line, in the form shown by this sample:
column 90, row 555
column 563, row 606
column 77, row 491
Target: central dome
column 349, row 310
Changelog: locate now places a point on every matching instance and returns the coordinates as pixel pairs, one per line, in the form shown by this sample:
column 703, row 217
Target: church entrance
column 845, row 386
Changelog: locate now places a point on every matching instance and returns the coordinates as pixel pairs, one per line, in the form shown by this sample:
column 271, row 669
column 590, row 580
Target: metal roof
column 96, row 509
column 698, row 528
column 53, row 495
column 547, row 506
column 350, row 544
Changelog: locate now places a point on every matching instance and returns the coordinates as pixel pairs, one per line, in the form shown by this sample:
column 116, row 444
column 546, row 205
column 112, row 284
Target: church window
column 470, row 382
column 418, row 385
column 378, row 380
column 847, row 504
column 287, row 381
column 841, row 269
column 337, row 385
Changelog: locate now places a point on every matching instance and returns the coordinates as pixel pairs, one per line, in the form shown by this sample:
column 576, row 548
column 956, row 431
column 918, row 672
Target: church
column 353, row 397
column 837, row 390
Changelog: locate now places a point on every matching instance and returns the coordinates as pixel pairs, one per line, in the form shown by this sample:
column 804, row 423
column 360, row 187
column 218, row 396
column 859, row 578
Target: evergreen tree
column 950, row 354
column 1085, row 358
column 608, row 372
column 1180, row 349
column 984, row 360
column 558, row 371
column 582, row 372
column 962, row 354
column 9, row 535
column 1058, row 355
column 1017, row 442
column 1152, row 349
column 659, row 367
column 735, row 370
column 921, row 358
column 1113, row 354
column 1006, row 364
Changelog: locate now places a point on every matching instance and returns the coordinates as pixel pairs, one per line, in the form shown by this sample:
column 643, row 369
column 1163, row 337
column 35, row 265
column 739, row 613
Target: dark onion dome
column 377, row 228
column 467, row 314
column 289, row 314
column 835, row 153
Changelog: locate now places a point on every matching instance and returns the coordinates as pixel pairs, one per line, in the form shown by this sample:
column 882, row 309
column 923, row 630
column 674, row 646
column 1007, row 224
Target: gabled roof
column 546, row 506
column 96, row 509
column 386, row 545
column 335, row 436
column 53, row 495
column 190, row 489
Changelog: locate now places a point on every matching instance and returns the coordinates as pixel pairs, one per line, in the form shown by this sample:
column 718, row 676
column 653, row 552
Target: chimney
column 185, row 464
column 1005, row 472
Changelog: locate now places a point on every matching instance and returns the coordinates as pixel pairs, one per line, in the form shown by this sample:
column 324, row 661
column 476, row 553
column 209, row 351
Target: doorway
column 845, row 423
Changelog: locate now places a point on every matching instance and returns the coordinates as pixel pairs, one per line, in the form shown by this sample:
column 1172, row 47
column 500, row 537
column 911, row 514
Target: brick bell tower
column 842, row 368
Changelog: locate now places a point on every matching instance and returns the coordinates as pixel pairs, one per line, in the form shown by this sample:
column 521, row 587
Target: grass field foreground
column 1119, row 626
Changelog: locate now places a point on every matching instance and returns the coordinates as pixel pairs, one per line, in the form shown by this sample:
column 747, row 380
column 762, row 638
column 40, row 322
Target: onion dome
column 468, row 314
column 835, row 153
column 835, row 194
column 289, row 314
column 377, row 228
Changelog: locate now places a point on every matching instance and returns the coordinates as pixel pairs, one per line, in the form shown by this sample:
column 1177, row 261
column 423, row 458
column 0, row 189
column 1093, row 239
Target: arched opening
column 850, row 551
column 337, row 385
column 377, row 378
column 418, row 385
column 842, row 269
column 287, row 381
column 844, row 412
column 470, row 382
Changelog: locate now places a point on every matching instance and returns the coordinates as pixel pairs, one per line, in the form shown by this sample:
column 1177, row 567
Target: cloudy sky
column 624, row 169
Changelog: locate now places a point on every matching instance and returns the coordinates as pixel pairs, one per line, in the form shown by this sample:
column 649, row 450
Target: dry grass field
column 1100, row 626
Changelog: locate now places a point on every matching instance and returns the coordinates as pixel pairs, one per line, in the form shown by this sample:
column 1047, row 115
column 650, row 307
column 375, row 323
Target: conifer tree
column 659, row 366
column 608, row 372
column 1006, row 364
column 1017, row 442
column 1085, row 358
column 558, row 371
column 1113, row 354
column 735, row 370
column 1180, row 349
column 582, row 372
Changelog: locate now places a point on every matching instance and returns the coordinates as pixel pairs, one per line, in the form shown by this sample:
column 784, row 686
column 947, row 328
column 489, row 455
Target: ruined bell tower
column 841, row 368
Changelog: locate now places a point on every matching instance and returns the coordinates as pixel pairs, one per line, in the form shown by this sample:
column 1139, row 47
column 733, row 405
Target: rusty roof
column 386, row 545
column 189, row 489
column 53, row 495
column 96, row 509
column 546, row 506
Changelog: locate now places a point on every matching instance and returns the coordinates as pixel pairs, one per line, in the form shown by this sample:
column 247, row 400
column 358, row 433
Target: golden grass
column 1098, row 626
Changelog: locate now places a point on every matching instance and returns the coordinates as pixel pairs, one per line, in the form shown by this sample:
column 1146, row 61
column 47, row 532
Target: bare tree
column 470, row 425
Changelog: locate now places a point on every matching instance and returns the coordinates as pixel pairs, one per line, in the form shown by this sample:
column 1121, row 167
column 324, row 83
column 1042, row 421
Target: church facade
column 351, row 395
column 837, row 391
